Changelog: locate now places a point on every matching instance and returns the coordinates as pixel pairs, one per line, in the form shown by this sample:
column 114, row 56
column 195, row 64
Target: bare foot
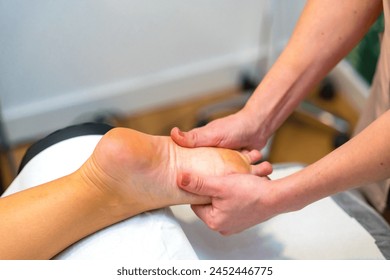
column 142, row 169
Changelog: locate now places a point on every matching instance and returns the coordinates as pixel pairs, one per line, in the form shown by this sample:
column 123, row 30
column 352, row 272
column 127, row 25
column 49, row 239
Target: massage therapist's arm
column 326, row 31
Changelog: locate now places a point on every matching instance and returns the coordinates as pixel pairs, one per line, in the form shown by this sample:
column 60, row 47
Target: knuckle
column 193, row 137
column 225, row 233
column 199, row 184
column 215, row 224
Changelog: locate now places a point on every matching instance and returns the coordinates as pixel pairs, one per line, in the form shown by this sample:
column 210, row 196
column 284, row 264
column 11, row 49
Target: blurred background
column 152, row 65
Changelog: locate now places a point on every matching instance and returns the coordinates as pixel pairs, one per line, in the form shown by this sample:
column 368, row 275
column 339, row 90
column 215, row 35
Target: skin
column 326, row 31
column 128, row 173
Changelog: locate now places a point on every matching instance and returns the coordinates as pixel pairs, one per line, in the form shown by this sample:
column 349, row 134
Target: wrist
column 299, row 189
column 272, row 101
column 293, row 192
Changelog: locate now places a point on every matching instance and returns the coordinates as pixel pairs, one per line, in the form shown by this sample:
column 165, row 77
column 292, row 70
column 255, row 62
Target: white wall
column 61, row 59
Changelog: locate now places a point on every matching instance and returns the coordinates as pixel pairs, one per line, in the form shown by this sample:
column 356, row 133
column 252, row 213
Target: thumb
column 197, row 137
column 198, row 185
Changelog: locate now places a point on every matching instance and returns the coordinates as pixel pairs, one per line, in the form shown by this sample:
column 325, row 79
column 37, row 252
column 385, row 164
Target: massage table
column 338, row 227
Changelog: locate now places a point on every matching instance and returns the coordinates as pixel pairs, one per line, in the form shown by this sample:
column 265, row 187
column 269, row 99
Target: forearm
column 40, row 222
column 364, row 159
column 326, row 31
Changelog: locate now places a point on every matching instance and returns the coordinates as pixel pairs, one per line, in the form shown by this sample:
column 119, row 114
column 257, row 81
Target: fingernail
column 185, row 179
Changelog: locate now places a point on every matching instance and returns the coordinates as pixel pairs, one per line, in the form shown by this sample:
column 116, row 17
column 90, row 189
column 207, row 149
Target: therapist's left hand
column 238, row 201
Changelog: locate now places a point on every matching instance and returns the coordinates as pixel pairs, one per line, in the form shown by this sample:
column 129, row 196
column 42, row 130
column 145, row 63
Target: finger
column 225, row 233
column 179, row 137
column 197, row 137
column 202, row 211
column 184, row 139
column 198, row 185
column 252, row 156
column 206, row 214
column 262, row 169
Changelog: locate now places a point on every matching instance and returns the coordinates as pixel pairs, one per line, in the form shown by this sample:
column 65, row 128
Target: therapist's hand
column 239, row 131
column 238, row 201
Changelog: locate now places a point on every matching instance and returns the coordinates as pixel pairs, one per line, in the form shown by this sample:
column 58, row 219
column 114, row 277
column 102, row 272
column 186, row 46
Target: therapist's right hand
column 239, row 131
column 238, row 201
